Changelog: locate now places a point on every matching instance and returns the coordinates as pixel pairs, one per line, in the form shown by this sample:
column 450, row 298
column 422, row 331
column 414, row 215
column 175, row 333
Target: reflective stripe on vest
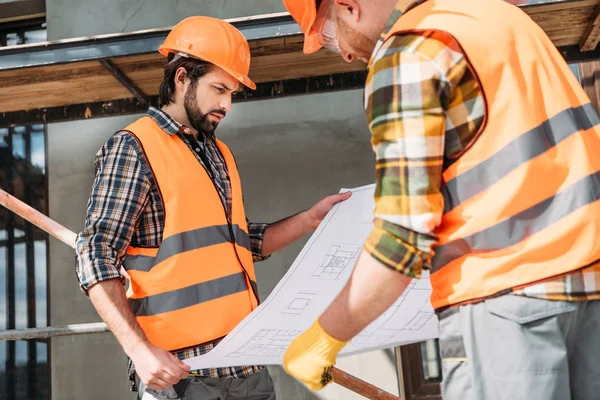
column 200, row 283
column 522, row 149
column 187, row 241
column 520, row 226
column 521, row 201
column 188, row 296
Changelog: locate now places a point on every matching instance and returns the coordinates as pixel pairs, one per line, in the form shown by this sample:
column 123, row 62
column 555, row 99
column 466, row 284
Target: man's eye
column 220, row 90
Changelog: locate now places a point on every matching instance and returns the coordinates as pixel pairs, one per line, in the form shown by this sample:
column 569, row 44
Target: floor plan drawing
column 338, row 258
column 419, row 321
column 311, row 283
column 266, row 343
column 300, row 302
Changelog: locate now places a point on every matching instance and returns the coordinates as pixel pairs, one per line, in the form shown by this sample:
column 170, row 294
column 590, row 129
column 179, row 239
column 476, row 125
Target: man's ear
column 181, row 78
column 350, row 8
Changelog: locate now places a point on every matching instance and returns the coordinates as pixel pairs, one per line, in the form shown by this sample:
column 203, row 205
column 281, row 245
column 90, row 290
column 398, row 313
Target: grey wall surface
column 80, row 365
column 74, row 18
column 291, row 152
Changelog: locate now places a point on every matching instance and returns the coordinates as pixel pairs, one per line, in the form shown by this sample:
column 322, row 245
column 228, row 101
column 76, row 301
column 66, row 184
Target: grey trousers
column 520, row 348
column 255, row 387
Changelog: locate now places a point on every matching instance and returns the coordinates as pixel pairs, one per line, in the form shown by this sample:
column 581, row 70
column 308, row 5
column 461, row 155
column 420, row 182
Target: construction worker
column 166, row 214
column 488, row 175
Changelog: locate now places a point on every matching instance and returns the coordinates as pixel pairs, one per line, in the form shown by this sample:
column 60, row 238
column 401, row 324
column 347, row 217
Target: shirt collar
column 165, row 121
column 401, row 8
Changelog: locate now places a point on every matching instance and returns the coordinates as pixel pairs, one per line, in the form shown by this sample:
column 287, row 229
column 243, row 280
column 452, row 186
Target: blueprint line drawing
column 266, row 343
column 338, row 258
column 300, row 302
column 419, row 321
column 312, row 282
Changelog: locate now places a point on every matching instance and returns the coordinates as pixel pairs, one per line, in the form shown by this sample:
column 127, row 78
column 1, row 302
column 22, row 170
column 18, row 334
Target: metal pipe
column 53, row 331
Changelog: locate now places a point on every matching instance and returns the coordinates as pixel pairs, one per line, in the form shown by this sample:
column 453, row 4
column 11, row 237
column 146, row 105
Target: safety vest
column 520, row 202
column 200, row 282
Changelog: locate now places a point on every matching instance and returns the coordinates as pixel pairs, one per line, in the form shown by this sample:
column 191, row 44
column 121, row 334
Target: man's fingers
column 158, row 384
column 341, row 196
column 180, row 363
column 170, row 377
column 175, row 370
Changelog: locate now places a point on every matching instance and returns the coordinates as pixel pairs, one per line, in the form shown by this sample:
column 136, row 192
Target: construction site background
column 291, row 152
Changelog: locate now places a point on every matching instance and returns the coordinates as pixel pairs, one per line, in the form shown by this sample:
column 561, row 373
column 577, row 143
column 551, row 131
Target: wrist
column 322, row 343
column 132, row 347
column 309, row 222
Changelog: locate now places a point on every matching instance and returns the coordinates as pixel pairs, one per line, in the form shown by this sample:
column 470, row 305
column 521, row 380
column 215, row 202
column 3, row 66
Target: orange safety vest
column 520, row 202
column 200, row 283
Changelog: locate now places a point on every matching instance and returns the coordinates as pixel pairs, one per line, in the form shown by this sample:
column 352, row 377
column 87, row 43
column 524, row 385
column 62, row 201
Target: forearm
column 370, row 291
column 283, row 233
column 110, row 301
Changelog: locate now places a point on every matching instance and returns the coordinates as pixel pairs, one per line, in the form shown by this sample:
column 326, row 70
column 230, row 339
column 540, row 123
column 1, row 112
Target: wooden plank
column 567, row 27
column 62, row 84
column 63, row 72
column 53, row 94
column 298, row 65
column 556, row 20
column 591, row 36
column 567, row 5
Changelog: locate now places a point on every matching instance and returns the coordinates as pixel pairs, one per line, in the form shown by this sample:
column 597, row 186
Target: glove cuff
column 322, row 343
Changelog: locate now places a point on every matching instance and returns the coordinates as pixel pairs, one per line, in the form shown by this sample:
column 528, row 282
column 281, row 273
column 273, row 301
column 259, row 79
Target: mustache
column 220, row 112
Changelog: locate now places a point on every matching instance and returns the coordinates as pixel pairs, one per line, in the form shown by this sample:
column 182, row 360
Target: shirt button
column 198, row 149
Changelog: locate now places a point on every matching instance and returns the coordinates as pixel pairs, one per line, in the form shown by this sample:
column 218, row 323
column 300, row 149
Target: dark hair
column 195, row 69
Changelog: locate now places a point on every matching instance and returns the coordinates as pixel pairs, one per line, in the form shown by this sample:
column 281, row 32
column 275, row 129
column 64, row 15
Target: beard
column 197, row 118
column 361, row 45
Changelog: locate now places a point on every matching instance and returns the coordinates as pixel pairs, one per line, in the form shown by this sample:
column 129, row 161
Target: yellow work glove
column 311, row 356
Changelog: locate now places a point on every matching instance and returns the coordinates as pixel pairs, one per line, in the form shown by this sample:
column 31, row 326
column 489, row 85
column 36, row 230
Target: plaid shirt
column 125, row 209
column 423, row 104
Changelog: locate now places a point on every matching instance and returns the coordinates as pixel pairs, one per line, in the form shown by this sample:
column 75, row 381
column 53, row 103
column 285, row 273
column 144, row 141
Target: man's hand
column 317, row 212
column 311, row 356
column 157, row 368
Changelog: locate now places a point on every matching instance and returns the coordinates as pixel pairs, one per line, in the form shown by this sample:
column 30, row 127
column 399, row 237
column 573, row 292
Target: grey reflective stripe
column 242, row 239
column 254, row 289
column 187, row 241
column 523, row 225
column 524, row 148
column 188, row 296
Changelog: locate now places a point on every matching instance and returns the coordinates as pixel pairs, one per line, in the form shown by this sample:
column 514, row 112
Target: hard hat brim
column 244, row 80
column 311, row 44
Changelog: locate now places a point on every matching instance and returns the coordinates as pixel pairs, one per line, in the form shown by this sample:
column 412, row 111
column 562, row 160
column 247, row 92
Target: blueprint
column 317, row 275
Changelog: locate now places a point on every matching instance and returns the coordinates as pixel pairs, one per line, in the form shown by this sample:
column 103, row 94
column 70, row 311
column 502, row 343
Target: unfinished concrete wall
column 74, row 18
column 80, row 365
column 291, row 152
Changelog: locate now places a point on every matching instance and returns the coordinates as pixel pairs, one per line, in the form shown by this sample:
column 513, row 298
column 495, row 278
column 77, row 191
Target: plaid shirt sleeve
column 119, row 193
column 415, row 81
column 256, row 231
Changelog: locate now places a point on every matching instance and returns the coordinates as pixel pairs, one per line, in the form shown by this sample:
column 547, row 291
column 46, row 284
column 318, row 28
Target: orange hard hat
column 212, row 40
column 304, row 13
